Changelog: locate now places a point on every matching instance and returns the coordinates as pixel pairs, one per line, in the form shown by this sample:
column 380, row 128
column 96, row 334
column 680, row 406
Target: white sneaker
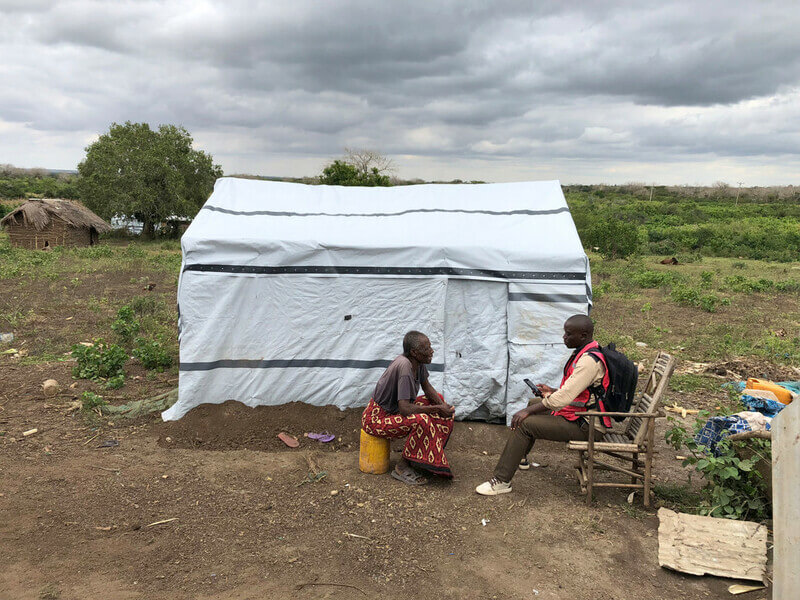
column 524, row 465
column 493, row 487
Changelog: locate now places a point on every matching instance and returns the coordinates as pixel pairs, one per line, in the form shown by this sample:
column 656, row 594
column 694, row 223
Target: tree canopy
column 145, row 174
column 359, row 167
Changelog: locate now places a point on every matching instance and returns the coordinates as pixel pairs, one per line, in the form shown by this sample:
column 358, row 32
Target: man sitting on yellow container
column 395, row 411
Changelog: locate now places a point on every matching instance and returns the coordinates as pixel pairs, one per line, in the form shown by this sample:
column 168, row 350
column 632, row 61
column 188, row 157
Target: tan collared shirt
column 588, row 372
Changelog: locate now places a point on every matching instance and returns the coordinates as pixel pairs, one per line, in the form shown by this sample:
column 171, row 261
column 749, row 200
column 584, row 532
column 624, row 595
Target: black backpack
column 623, row 376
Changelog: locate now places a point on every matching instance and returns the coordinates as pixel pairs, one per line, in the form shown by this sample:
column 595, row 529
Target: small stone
column 334, row 492
column 641, row 345
column 50, row 388
column 168, row 439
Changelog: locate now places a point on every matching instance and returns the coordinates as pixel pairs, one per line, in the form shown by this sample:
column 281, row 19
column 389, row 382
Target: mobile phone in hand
column 536, row 391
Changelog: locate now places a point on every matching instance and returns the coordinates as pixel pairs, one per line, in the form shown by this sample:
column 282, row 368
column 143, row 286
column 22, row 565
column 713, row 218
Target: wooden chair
column 636, row 438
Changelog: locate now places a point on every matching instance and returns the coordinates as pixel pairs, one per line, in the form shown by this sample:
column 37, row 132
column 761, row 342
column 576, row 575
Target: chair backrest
column 651, row 395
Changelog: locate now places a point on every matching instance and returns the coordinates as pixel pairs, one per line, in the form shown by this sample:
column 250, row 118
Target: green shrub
column 90, row 401
column 739, row 283
column 788, row 286
column 152, row 354
column 598, row 291
column 98, row 361
column 738, row 265
column 126, row 326
column 706, row 278
column 613, row 237
column 654, row 279
column 734, row 488
column 688, row 296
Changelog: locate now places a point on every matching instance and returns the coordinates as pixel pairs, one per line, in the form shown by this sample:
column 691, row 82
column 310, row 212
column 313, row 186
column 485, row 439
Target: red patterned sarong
column 427, row 435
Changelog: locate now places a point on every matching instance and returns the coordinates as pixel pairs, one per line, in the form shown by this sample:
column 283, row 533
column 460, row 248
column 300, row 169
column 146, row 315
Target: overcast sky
column 589, row 92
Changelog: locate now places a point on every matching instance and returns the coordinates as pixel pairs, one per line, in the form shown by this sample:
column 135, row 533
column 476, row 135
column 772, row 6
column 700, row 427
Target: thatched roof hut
column 40, row 224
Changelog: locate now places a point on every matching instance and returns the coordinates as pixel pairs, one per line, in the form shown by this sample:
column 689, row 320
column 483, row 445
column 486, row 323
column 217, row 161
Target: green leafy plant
column 734, row 488
column 126, row 326
column 98, row 361
column 115, row 382
column 689, row 296
column 653, row 279
column 152, row 354
column 90, row 401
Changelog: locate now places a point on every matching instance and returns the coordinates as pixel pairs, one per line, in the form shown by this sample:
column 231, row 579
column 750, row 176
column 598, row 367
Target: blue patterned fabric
column 718, row 428
column 768, row 408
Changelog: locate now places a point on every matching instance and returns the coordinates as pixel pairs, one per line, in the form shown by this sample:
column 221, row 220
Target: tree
column 137, row 172
column 359, row 167
column 367, row 161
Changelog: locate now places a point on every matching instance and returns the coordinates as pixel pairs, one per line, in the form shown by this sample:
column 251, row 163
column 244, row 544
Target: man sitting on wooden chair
column 558, row 416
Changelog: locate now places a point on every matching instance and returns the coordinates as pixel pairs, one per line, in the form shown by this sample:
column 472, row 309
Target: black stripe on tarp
column 294, row 363
column 344, row 270
column 282, row 213
column 523, row 296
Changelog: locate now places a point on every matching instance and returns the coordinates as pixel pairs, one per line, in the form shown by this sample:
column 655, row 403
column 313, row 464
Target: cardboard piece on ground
column 707, row 545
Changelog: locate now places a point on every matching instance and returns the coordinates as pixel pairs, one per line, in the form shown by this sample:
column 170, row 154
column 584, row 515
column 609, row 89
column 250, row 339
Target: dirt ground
column 215, row 507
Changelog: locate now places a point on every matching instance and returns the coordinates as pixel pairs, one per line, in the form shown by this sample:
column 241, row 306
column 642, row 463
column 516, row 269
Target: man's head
column 416, row 345
column 578, row 331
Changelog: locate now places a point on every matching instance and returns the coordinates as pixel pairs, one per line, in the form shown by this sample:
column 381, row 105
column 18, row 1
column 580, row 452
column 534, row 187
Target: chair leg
column 633, row 466
column 648, row 461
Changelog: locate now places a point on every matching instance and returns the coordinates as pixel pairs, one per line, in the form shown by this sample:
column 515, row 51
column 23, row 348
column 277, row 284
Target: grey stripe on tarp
column 345, row 270
column 282, row 213
column 294, row 363
column 554, row 298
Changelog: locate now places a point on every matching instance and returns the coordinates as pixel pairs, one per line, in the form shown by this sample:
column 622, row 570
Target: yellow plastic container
column 782, row 393
column 373, row 456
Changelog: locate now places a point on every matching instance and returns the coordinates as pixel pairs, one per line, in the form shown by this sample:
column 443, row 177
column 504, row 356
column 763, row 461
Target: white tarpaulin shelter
column 294, row 292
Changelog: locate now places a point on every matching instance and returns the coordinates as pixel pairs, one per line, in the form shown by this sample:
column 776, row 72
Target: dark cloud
column 459, row 81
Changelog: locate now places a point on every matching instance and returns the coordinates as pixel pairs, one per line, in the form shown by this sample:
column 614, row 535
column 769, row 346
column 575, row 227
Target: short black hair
column 412, row 340
column 583, row 323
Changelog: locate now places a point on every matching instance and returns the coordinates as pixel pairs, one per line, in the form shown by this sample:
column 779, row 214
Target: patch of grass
column 677, row 496
column 50, row 592
column 145, row 305
column 692, row 382
column 634, row 512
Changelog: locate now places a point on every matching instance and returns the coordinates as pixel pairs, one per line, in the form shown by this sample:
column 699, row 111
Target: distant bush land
column 17, row 183
column 756, row 223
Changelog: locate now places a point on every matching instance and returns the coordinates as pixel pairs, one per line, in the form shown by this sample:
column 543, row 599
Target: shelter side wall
column 536, row 315
column 476, row 349
column 272, row 339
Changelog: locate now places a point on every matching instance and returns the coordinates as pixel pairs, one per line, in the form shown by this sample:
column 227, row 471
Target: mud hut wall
column 57, row 233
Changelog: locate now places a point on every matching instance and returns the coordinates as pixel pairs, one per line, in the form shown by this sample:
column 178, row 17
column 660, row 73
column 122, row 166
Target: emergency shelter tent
column 293, row 292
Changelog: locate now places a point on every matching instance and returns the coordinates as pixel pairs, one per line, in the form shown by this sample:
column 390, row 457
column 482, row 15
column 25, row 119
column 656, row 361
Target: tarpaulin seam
column 554, row 298
column 294, row 363
column 279, row 213
column 346, row 270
